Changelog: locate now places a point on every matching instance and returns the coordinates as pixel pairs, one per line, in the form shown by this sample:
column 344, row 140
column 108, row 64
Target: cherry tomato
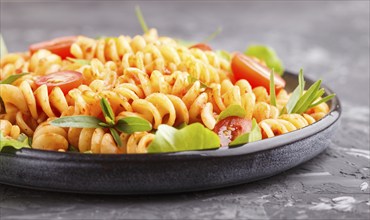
column 60, row 46
column 231, row 127
column 65, row 80
column 202, row 46
column 245, row 67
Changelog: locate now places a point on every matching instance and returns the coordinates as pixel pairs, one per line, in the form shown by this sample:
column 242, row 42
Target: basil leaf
column 192, row 137
column 9, row 142
column 268, row 55
column 107, row 111
column 232, row 110
column 80, row 121
column 12, row 78
column 253, row 135
column 3, row 49
column 272, row 89
column 130, row 125
column 116, row 137
column 79, row 61
column 140, row 17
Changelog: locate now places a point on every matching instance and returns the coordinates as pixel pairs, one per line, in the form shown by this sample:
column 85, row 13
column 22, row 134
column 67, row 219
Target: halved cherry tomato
column 65, row 80
column 245, row 67
column 202, row 46
column 231, row 127
column 60, row 46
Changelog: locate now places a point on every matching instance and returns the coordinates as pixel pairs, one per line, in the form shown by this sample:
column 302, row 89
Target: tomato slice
column 202, row 46
column 60, row 46
column 245, row 67
column 231, row 127
column 65, row 80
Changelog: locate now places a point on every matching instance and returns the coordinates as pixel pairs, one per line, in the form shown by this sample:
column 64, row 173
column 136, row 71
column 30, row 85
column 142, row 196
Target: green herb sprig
column 300, row 101
column 272, row 88
column 126, row 125
column 12, row 78
column 3, row 49
column 141, row 19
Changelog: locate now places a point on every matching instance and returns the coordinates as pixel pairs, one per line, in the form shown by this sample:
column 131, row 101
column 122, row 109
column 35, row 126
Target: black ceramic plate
column 169, row 172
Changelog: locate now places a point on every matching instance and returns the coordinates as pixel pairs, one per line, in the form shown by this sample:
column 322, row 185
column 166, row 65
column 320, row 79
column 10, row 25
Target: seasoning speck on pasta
column 146, row 94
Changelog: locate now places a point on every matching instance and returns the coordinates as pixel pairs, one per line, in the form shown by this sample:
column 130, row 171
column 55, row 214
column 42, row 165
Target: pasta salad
column 147, row 94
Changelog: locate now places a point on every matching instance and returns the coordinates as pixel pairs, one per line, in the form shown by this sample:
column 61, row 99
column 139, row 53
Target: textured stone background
column 329, row 39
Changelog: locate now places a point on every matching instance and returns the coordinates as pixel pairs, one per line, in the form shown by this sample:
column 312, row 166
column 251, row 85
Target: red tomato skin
column 231, row 127
column 66, row 80
column 60, row 46
column 202, row 46
column 244, row 67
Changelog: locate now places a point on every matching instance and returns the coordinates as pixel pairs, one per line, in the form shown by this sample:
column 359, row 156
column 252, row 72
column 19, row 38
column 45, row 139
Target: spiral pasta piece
column 8, row 129
column 275, row 127
column 95, row 140
column 49, row 137
column 138, row 142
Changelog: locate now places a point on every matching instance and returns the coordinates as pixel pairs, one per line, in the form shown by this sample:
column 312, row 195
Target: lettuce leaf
column 268, row 55
column 9, row 142
column 191, row 137
column 253, row 135
column 232, row 110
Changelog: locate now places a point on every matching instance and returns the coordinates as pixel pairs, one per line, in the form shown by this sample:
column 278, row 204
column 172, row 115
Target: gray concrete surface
column 329, row 39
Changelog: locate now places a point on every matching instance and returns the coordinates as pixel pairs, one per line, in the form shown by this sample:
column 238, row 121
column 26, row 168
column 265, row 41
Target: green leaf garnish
column 79, row 61
column 192, row 80
column 272, row 89
column 107, row 111
column 253, row 135
column 79, row 121
column 213, row 35
column 3, row 49
column 300, row 101
column 12, row 78
column 140, row 17
column 116, row 137
column 268, row 55
column 297, row 93
column 130, row 125
column 325, row 99
column 191, row 137
column 10, row 142
column 232, row 110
